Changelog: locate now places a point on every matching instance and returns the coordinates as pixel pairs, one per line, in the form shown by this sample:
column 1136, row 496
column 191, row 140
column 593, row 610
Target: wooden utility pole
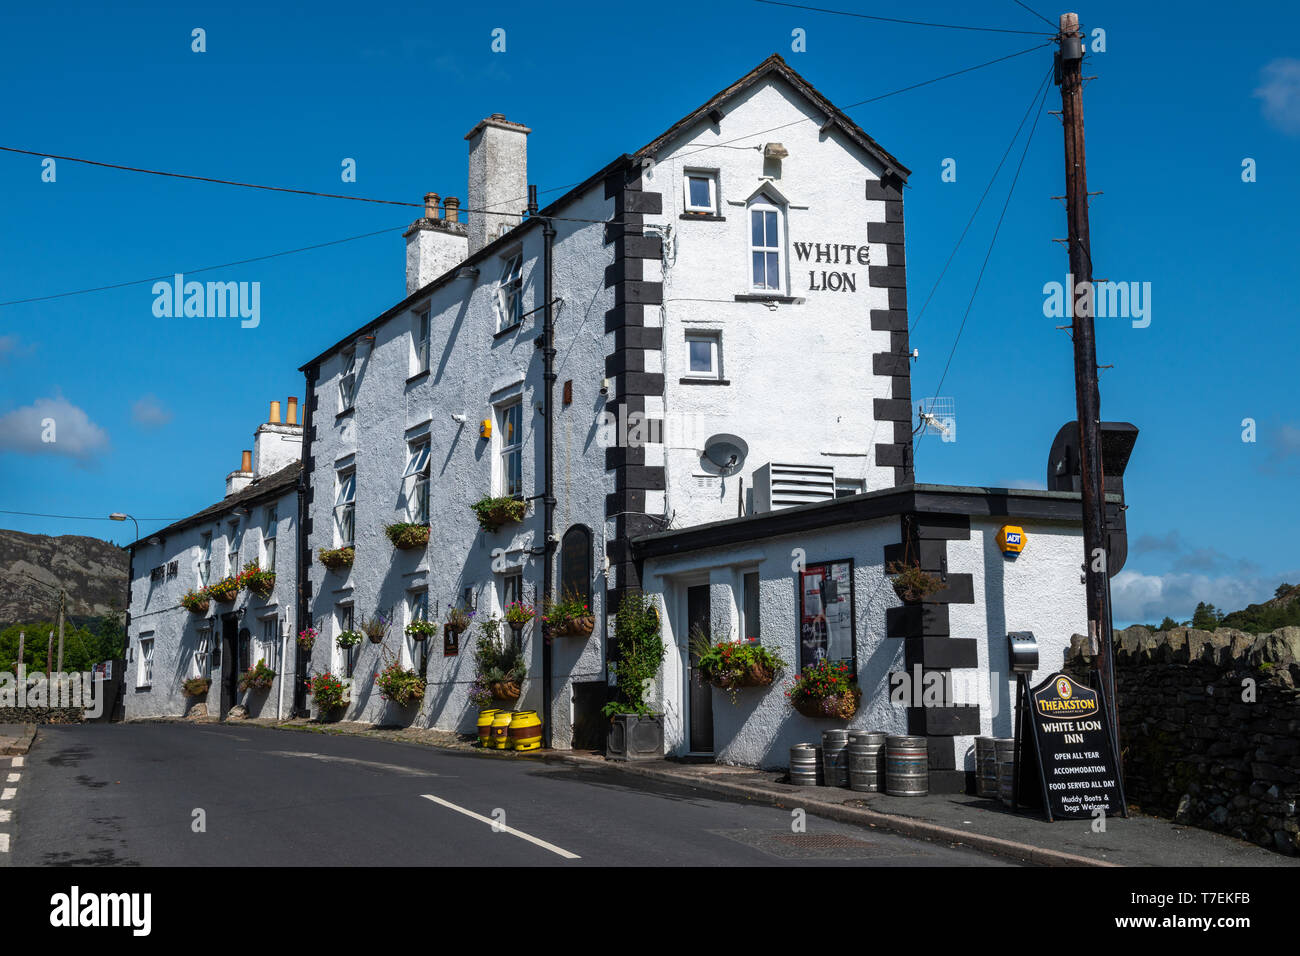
column 22, row 648
column 62, row 594
column 1069, row 76
column 49, row 655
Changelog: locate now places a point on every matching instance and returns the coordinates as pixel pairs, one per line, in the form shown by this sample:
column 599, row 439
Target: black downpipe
column 548, row 502
column 298, row 705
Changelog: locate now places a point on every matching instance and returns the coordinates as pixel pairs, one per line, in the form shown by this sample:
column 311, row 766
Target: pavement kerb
column 906, row 826
column 18, row 746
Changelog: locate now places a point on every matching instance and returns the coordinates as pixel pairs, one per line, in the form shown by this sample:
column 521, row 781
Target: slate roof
column 261, row 489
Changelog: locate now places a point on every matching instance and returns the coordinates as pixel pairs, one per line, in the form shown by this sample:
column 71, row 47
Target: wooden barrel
column 907, row 766
column 986, row 768
column 835, row 758
column 485, row 725
column 803, row 765
column 1005, row 752
column 865, row 753
column 501, row 729
column 525, row 730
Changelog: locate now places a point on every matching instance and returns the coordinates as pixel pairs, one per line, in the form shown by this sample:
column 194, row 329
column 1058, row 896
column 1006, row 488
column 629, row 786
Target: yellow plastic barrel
column 525, row 730
column 485, row 725
column 500, row 739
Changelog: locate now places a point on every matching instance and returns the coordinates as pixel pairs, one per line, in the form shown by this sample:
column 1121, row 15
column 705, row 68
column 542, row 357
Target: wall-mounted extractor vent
column 778, row 485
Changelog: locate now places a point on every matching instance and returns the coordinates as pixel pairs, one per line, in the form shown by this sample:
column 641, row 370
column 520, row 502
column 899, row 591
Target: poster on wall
column 826, row 613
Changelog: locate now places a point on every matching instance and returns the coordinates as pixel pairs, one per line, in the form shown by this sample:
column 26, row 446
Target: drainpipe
column 548, row 503
column 304, row 553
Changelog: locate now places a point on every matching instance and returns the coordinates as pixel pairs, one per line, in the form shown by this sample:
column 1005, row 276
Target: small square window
column 703, row 358
column 701, row 193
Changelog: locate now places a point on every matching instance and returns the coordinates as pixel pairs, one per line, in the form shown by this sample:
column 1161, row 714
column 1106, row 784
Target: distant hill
column 33, row 567
column 1281, row 610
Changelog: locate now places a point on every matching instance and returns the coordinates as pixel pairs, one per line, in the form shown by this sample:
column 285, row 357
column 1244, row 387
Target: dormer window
column 766, row 246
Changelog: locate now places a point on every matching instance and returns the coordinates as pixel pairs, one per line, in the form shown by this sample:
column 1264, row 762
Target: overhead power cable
column 992, row 241
column 969, row 222
column 1037, row 14
column 915, row 23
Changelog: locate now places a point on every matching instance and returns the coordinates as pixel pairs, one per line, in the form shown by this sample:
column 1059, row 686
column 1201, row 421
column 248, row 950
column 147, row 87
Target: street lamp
column 118, row 516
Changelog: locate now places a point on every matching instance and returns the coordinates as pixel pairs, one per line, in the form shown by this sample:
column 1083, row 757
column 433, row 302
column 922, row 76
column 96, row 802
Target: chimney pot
column 246, row 462
column 274, row 418
column 291, row 416
column 453, row 208
column 431, row 205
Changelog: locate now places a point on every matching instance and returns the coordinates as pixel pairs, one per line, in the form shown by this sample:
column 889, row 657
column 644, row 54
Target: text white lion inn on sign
column 211, row 300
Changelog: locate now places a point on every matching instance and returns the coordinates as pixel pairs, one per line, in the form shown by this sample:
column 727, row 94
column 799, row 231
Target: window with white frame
column 766, row 244
column 703, row 355
column 348, row 380
column 232, row 552
column 417, row 609
column 510, row 292
column 511, row 449
column 416, row 481
column 345, row 509
column 268, row 537
column 205, row 559
column 269, row 651
column 512, row 588
column 701, row 192
column 420, row 332
column 202, row 653
column 144, row 672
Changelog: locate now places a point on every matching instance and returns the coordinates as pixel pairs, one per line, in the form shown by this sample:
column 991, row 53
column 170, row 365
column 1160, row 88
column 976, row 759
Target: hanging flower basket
column 911, row 583
column 457, row 619
column 348, row 639
column 375, row 628
column 257, row 678
column 307, row 639
column 196, row 602
column 407, row 536
column 505, row 690
column 336, row 558
column 260, row 582
column 420, row 630
column 494, row 512
column 843, row 707
column 196, row 687
column 570, row 616
column 576, row 626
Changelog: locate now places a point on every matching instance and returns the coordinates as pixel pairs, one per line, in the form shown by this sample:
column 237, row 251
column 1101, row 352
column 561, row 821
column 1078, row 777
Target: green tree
column 1167, row 624
column 1206, row 617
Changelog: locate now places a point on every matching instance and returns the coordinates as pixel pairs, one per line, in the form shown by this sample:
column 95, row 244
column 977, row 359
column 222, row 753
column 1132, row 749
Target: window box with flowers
column 494, row 512
column 826, row 689
column 227, row 589
column 731, row 665
column 257, row 678
column 196, row 602
column 260, row 582
column 570, row 616
column 336, row 558
column 407, row 535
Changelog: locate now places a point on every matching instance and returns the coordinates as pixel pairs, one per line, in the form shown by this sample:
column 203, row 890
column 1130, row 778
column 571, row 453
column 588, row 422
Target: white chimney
column 434, row 244
column 275, row 445
column 498, row 178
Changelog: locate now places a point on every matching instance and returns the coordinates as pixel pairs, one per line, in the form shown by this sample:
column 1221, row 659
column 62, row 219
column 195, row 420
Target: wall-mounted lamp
column 458, row 418
column 604, row 386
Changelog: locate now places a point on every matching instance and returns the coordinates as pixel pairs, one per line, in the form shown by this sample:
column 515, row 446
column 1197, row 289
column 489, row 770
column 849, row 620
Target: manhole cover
column 820, row 841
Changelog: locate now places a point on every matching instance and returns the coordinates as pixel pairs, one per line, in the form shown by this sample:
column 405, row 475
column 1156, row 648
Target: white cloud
column 52, row 426
column 1281, row 94
column 11, row 347
column 1148, row 598
column 149, row 412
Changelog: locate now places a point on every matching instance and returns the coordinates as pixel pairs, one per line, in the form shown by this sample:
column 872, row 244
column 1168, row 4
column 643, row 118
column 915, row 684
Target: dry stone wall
column 1210, row 728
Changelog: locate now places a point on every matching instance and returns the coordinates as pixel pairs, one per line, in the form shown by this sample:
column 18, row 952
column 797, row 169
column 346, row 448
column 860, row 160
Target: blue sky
column 152, row 413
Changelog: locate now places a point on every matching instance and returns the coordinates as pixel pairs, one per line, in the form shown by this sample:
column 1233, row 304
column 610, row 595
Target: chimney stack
column 291, row 416
column 434, row 245
column 498, row 178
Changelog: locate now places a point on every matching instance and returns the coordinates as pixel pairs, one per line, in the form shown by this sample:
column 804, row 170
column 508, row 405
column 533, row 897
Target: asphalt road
column 135, row 795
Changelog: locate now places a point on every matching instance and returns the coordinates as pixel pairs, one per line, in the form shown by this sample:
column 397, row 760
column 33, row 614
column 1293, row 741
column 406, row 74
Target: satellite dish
column 727, row 452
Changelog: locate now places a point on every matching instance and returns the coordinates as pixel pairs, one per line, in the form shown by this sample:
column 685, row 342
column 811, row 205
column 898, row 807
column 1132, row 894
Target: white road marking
column 5, row 815
column 503, row 828
column 329, row 758
column 14, row 778
column 4, row 843
column 8, row 793
column 17, row 761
